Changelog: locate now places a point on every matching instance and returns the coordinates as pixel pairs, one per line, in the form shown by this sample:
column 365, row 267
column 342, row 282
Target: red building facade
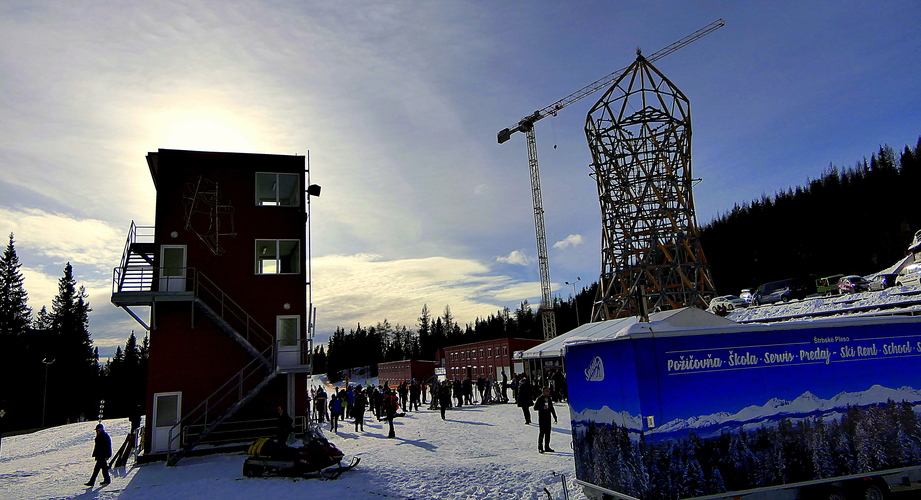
column 489, row 357
column 222, row 278
column 394, row 372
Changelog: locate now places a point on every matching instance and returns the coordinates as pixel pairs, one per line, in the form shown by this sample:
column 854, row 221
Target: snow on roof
column 675, row 319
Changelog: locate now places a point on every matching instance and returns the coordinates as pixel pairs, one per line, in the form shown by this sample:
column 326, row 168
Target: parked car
column 778, row 295
column 828, row 285
column 882, row 281
column 746, row 295
column 853, row 284
column 729, row 302
column 910, row 275
column 781, row 291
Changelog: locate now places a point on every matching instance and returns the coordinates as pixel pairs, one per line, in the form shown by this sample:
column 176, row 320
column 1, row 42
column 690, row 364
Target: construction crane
column 526, row 125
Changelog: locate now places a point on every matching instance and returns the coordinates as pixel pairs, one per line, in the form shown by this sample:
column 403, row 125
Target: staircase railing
column 146, row 234
column 136, row 234
column 231, row 313
column 217, row 407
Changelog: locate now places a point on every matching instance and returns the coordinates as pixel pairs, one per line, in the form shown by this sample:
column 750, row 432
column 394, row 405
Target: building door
column 166, row 413
column 287, row 329
column 172, row 268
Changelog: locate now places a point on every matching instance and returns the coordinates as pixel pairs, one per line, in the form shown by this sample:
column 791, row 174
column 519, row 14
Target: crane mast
column 526, row 125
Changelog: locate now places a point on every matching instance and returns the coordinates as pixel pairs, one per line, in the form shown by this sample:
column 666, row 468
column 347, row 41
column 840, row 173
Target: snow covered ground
column 897, row 299
column 478, row 452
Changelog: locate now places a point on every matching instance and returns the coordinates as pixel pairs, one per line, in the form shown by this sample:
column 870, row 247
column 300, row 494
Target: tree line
column 49, row 367
column 857, row 220
column 368, row 346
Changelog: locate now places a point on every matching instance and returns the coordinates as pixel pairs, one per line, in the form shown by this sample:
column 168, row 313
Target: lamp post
column 45, row 392
column 575, row 298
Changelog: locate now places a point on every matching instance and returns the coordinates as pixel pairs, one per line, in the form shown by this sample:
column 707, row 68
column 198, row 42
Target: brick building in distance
column 488, row 357
column 223, row 279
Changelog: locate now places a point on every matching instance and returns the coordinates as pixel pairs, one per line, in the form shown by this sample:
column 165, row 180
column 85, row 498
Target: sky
column 398, row 104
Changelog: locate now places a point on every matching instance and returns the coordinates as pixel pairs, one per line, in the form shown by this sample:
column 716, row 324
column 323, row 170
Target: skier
column 544, row 408
column 102, row 450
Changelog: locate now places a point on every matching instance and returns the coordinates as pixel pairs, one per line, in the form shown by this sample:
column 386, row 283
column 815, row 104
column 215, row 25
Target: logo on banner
column 595, row 371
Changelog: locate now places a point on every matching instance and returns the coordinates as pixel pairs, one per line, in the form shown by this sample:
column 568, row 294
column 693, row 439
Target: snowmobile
column 316, row 458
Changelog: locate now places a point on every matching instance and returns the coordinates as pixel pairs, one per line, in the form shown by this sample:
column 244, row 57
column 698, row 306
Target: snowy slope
column 479, row 452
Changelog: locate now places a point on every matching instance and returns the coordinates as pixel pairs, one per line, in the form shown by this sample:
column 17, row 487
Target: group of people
column 353, row 401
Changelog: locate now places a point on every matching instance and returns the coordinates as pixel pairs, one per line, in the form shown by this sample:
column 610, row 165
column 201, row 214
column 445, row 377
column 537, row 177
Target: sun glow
column 208, row 136
column 203, row 125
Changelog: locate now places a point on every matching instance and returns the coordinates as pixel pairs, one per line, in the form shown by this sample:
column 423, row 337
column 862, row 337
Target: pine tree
column 15, row 314
column 75, row 393
column 15, row 364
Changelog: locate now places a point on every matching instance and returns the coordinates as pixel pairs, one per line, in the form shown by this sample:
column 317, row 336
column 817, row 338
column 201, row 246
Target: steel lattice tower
column 639, row 134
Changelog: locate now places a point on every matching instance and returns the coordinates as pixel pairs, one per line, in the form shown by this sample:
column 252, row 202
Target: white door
column 167, row 409
column 287, row 329
column 172, row 268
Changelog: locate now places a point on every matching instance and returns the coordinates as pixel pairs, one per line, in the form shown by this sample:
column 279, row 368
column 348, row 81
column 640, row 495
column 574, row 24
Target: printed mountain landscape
column 779, row 442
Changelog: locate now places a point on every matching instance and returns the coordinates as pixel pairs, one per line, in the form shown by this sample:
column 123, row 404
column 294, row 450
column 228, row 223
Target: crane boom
column 526, row 125
column 606, row 81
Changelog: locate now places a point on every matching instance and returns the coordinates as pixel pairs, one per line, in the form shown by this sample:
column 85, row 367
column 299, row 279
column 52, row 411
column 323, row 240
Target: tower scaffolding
column 639, row 134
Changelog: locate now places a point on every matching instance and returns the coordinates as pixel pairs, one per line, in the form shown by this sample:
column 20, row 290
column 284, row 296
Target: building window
column 277, row 190
column 489, row 352
column 287, row 330
column 505, row 350
column 278, row 256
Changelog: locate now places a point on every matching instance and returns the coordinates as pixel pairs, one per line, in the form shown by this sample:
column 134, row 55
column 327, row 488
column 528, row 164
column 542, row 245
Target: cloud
column 569, row 241
column 352, row 289
column 517, row 257
column 63, row 238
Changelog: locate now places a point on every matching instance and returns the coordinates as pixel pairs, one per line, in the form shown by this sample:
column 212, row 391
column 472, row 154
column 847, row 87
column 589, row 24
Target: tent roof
column 688, row 317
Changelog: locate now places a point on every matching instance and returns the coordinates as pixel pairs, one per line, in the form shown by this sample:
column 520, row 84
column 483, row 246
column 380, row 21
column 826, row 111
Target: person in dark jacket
column 444, row 398
column 283, row 426
column 361, row 402
column 335, row 412
column 391, row 403
column 102, row 450
column 544, row 408
column 523, row 398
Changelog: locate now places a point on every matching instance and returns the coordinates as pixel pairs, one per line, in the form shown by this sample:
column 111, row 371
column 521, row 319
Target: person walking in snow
column 523, row 398
column 444, row 398
column 544, row 408
column 102, row 450
column 335, row 411
column 320, row 406
column 361, row 401
column 390, row 405
column 414, row 392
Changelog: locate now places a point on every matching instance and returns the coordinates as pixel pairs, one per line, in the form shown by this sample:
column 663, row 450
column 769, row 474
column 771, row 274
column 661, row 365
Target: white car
column 730, row 302
column 910, row 275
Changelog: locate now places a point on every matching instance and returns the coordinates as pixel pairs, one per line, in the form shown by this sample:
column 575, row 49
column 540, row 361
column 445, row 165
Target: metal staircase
column 133, row 285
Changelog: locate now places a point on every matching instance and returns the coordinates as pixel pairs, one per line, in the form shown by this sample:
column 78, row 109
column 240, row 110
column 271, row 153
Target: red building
column 489, row 357
column 223, row 280
column 394, row 372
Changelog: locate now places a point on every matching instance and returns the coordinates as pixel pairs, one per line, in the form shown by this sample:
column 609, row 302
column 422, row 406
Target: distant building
column 395, row 372
column 489, row 357
column 222, row 277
